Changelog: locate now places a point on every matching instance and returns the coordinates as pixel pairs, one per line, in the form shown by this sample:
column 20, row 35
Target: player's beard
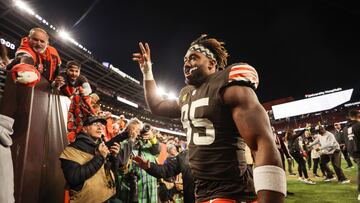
column 196, row 78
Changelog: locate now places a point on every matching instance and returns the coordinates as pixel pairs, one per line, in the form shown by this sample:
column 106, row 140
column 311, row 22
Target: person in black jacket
column 88, row 160
column 180, row 164
column 283, row 150
column 352, row 140
column 339, row 136
column 295, row 144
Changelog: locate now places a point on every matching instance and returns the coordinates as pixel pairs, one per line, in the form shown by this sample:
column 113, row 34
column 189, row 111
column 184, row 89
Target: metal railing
column 2, row 83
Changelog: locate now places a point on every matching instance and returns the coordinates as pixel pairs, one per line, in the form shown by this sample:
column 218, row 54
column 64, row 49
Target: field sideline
column 324, row 192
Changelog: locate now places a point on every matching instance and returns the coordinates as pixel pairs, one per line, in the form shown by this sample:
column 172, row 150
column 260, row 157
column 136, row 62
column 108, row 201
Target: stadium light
column 172, row 96
column 24, row 7
column 130, row 103
column 64, row 35
column 160, row 91
column 7, row 43
column 124, row 75
column 352, row 104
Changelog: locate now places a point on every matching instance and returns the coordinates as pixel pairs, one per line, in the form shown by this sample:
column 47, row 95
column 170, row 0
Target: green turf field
column 323, row 191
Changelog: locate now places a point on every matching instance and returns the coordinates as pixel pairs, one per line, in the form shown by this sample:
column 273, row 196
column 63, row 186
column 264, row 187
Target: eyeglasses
column 98, row 124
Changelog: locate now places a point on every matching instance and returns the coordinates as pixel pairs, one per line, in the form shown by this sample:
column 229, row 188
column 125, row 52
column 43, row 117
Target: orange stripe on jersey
column 243, row 68
column 241, row 76
column 245, row 73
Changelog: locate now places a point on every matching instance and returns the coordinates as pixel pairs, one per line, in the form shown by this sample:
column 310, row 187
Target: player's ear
column 212, row 64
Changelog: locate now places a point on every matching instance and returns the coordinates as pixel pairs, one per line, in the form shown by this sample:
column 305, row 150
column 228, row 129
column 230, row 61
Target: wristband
column 147, row 71
column 270, row 177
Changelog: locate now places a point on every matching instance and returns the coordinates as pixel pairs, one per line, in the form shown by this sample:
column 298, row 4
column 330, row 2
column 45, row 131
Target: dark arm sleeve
column 12, row 63
column 341, row 137
column 25, row 59
column 21, row 58
column 298, row 134
column 169, row 169
column 284, row 148
column 76, row 174
column 155, row 149
column 118, row 138
column 356, row 130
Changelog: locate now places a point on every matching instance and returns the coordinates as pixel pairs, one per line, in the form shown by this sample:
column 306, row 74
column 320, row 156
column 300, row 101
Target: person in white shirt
column 330, row 151
column 315, row 155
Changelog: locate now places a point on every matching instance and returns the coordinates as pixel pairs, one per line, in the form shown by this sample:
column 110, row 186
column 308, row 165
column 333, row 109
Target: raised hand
column 59, row 81
column 104, row 151
column 144, row 60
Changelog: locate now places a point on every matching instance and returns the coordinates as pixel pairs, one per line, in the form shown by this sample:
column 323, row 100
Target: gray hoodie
column 328, row 143
column 6, row 166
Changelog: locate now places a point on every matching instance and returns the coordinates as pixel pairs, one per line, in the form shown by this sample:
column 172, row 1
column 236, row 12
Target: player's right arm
column 155, row 102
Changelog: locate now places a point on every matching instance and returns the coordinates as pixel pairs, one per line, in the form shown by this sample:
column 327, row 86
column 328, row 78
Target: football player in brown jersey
column 221, row 113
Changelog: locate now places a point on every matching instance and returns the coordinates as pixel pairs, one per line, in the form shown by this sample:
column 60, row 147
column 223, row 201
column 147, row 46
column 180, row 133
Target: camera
column 146, row 128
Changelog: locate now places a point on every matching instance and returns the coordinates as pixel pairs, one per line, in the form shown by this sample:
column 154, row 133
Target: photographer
column 88, row 164
column 135, row 184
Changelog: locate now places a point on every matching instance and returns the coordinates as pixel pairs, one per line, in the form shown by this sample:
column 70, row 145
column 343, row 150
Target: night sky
column 297, row 47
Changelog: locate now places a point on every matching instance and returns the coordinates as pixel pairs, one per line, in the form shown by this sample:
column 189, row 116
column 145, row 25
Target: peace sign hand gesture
column 144, row 61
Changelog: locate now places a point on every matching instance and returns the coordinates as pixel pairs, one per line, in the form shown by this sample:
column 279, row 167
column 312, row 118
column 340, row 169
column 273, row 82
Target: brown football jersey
column 216, row 149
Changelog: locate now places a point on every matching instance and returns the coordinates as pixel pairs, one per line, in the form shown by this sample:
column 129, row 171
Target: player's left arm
column 254, row 126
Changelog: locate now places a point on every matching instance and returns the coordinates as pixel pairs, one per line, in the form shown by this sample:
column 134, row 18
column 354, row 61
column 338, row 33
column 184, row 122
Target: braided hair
column 216, row 47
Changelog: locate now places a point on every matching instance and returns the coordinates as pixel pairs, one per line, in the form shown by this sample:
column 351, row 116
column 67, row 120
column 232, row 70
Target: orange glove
column 25, row 74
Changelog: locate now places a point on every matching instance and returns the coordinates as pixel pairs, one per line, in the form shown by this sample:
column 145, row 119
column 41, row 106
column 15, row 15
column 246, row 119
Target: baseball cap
column 92, row 119
column 73, row 63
